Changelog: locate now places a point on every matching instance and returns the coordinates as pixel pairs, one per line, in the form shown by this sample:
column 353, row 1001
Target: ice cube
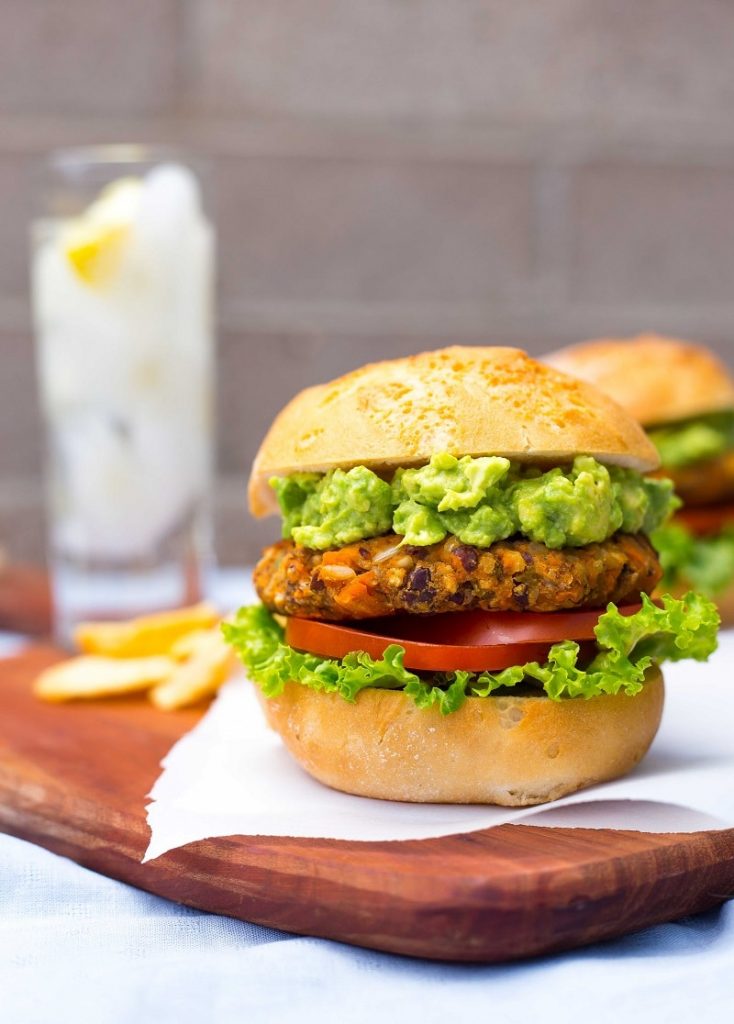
column 170, row 202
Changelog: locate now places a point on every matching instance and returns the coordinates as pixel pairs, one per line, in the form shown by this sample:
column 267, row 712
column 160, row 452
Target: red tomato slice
column 492, row 629
column 707, row 520
column 470, row 641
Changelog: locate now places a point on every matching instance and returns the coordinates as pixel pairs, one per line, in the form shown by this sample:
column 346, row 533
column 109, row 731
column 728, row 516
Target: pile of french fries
column 178, row 657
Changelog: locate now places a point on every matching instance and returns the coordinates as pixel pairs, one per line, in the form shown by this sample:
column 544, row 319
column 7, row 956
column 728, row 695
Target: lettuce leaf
column 259, row 642
column 705, row 563
column 627, row 647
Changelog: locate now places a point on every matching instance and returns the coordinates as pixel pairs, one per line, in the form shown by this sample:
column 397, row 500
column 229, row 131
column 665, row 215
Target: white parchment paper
column 231, row 776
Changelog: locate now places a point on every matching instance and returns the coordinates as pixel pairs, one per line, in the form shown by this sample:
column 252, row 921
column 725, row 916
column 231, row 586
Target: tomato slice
column 493, row 629
column 706, row 520
column 470, row 641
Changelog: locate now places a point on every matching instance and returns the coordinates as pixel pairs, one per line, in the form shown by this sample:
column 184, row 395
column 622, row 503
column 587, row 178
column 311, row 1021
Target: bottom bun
column 514, row 751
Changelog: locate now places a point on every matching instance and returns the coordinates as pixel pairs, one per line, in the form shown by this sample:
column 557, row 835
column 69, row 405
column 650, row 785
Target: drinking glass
column 122, row 273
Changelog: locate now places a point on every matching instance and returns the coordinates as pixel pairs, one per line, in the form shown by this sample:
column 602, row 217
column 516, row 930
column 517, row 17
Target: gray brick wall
column 390, row 175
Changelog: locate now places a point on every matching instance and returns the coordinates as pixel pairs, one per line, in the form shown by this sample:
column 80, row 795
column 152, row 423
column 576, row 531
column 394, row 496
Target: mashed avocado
column 695, row 440
column 478, row 500
column 334, row 510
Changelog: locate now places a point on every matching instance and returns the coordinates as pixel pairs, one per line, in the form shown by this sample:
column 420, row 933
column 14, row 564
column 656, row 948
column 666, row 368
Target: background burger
column 432, row 625
column 684, row 397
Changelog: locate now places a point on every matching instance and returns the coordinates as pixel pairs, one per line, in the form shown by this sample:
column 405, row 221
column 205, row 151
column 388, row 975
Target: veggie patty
column 380, row 577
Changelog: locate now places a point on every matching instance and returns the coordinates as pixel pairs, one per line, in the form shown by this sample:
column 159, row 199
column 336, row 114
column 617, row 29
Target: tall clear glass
column 122, row 274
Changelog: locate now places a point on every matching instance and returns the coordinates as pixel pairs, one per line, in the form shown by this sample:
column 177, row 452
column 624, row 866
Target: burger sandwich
column 459, row 608
column 684, row 397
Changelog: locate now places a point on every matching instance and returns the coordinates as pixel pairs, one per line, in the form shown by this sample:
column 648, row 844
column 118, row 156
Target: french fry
column 190, row 643
column 209, row 663
column 92, row 676
column 145, row 636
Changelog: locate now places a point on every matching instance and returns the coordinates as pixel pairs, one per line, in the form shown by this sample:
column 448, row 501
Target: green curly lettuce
column 627, row 646
column 705, row 563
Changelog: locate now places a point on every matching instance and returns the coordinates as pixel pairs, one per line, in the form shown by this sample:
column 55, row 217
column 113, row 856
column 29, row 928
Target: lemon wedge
column 94, row 243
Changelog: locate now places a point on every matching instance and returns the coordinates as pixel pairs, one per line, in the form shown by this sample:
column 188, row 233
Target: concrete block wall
column 390, row 175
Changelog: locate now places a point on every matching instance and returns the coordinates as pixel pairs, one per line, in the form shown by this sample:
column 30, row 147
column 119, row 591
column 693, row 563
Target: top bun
column 658, row 380
column 468, row 401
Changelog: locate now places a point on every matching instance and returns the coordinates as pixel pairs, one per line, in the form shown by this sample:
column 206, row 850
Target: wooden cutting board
column 74, row 779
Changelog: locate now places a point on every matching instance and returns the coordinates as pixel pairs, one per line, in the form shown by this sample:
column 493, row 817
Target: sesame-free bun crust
column 514, row 751
column 468, row 401
column 657, row 380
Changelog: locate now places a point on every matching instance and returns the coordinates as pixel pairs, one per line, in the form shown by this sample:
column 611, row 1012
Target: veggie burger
column 684, row 396
column 458, row 610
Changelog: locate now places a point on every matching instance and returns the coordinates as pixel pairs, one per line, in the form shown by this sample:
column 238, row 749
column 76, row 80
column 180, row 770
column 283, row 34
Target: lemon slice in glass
column 94, row 243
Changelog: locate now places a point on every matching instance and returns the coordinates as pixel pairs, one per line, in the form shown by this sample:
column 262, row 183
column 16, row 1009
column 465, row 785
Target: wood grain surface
column 74, row 779
column 25, row 599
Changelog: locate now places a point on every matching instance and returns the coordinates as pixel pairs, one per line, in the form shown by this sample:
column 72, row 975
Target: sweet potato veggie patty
column 378, row 577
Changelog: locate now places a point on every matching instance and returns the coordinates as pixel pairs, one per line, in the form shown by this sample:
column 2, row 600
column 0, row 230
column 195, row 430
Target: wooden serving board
column 74, row 779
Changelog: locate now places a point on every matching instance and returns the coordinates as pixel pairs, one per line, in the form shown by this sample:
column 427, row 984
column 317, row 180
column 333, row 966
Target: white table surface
column 76, row 946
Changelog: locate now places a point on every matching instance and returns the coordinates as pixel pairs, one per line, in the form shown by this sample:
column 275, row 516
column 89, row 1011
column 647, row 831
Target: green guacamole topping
column 706, row 563
column 478, row 500
column 695, row 440
column 333, row 510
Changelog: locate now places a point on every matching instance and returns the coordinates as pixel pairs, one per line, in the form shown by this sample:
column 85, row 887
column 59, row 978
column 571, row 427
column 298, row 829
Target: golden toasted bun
column 468, row 401
column 514, row 751
column 657, row 380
